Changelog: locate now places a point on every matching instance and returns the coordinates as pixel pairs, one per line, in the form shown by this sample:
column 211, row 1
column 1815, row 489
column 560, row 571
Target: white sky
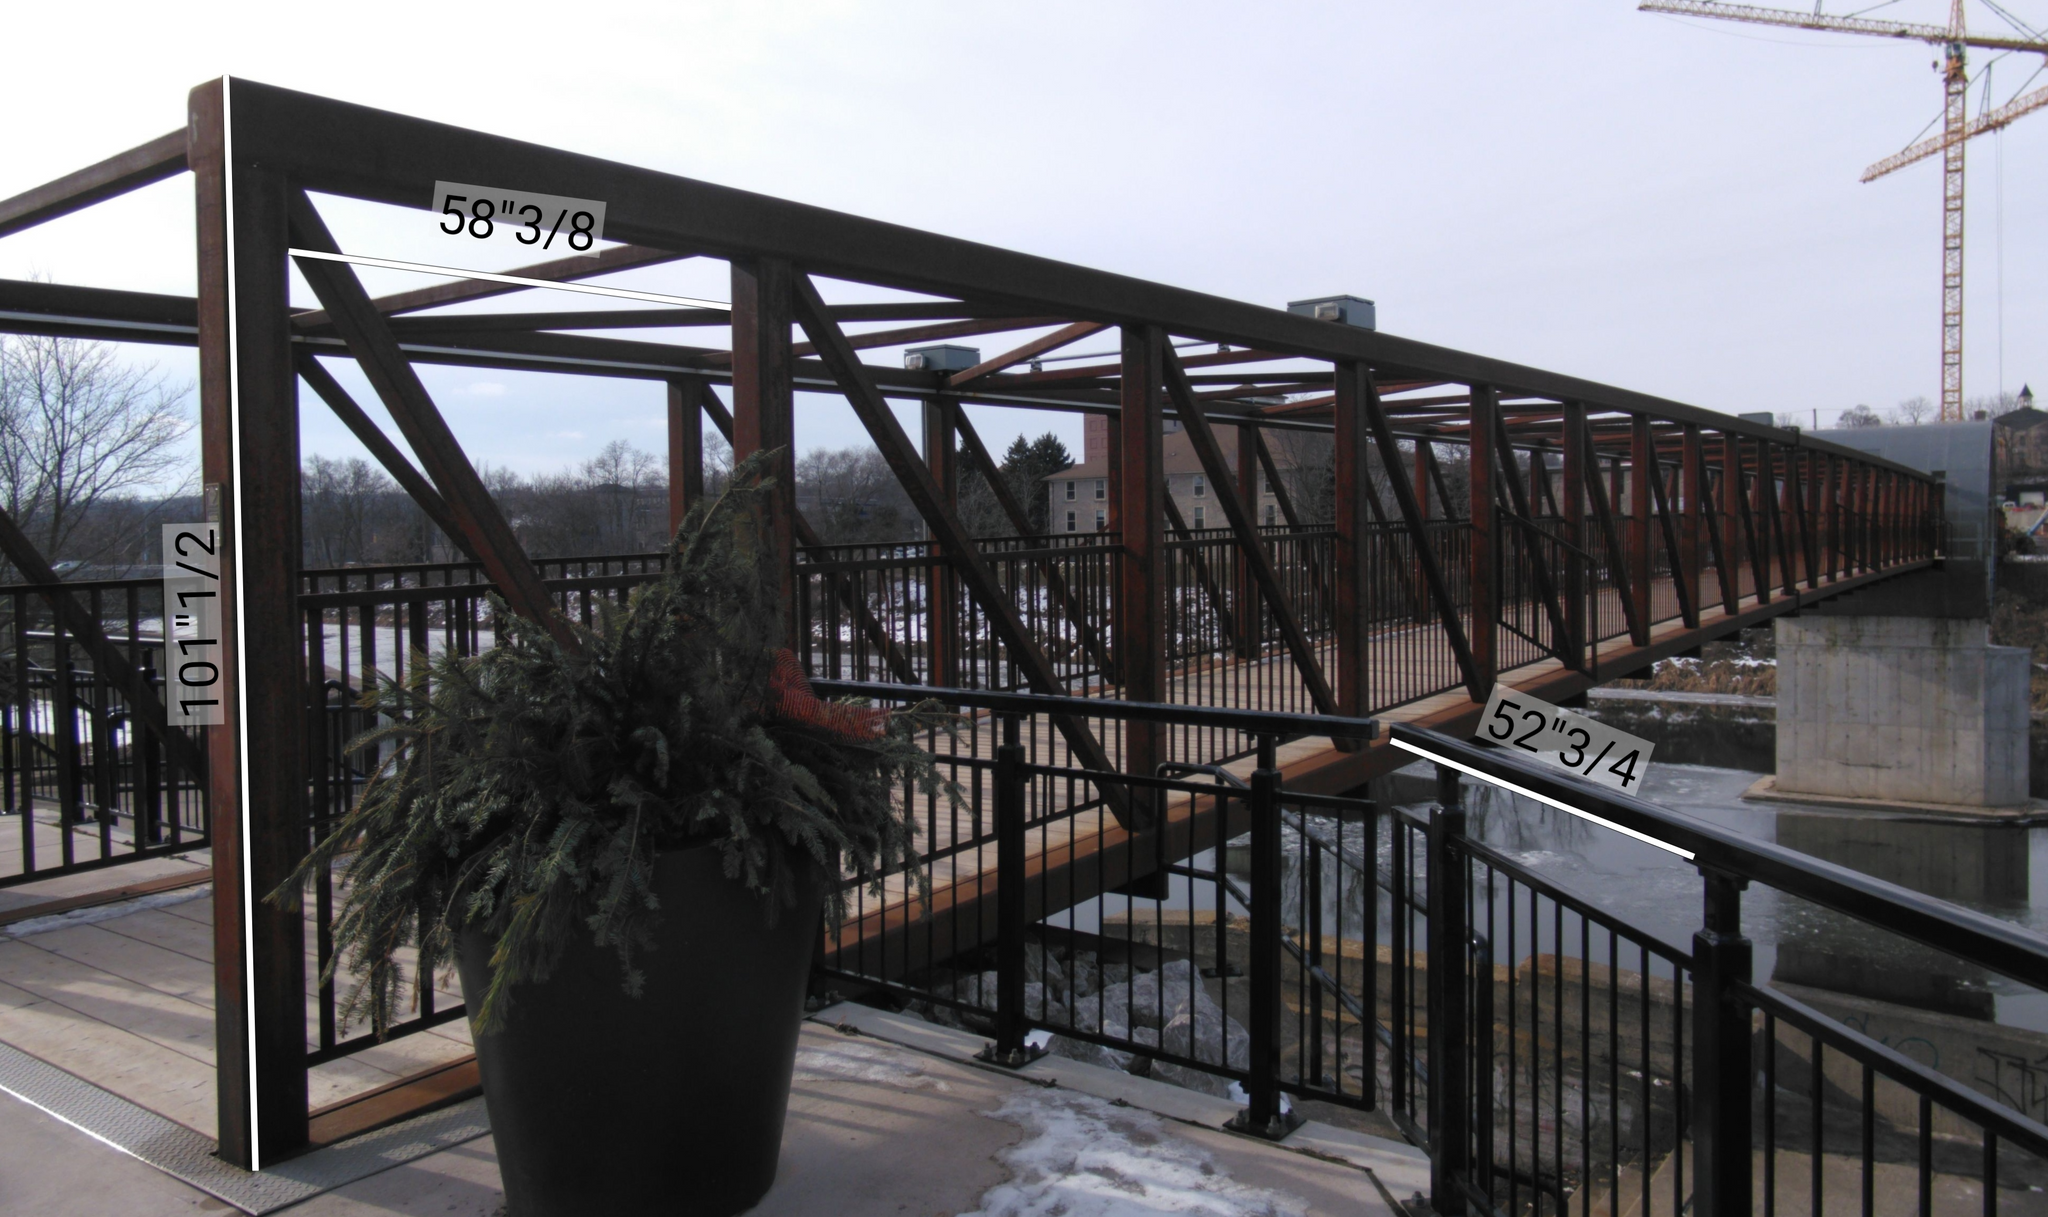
column 1670, row 206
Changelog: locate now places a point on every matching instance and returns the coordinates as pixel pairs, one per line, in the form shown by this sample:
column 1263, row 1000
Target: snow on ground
column 865, row 1062
column 1083, row 1157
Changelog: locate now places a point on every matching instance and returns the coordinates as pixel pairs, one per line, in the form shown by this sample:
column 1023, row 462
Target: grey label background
column 1556, row 740
column 551, row 206
column 192, row 633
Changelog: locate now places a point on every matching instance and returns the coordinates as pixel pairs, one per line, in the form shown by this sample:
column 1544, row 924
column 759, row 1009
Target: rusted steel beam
column 1610, row 534
column 892, row 655
column 1285, row 502
column 1572, row 508
column 918, row 333
column 896, row 448
column 1037, row 346
column 764, row 404
column 1436, row 475
column 1641, row 474
column 1210, row 453
column 1418, row 535
column 1731, row 521
column 1688, row 609
column 942, row 617
column 1353, row 490
column 68, row 311
column 446, row 324
column 1070, row 606
column 685, row 448
column 395, row 463
column 1138, row 492
column 1691, row 483
column 1538, row 559
column 1710, row 518
column 475, row 513
column 1484, row 560
column 154, row 161
column 1776, row 491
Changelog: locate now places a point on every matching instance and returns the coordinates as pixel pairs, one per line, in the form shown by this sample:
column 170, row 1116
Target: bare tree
column 1914, row 410
column 1860, row 415
column 339, row 503
column 852, row 496
column 79, row 428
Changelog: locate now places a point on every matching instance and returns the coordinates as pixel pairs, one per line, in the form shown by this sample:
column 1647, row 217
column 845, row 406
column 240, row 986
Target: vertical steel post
column 1354, row 529
column 1139, row 495
column 1731, row 510
column 1485, row 411
column 1572, row 506
column 1450, row 1091
column 1262, row 1116
column 1012, row 911
column 1721, row 1066
column 1244, row 593
column 1421, row 480
column 764, row 400
column 1691, row 487
column 685, row 448
column 942, row 600
column 1642, row 463
column 249, row 457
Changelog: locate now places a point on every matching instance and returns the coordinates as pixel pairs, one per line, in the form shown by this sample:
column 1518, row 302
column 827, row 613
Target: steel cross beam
column 896, row 448
column 1518, row 499
column 1672, row 549
column 1418, row 534
column 1203, row 438
column 154, row 161
column 1603, row 513
column 1226, row 623
column 369, row 340
column 372, row 437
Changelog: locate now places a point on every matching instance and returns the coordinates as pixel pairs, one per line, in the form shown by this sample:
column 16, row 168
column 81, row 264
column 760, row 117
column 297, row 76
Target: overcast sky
column 1666, row 205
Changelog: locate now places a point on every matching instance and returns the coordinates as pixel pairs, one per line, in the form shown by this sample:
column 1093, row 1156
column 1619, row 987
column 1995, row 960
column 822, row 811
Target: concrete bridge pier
column 1920, row 711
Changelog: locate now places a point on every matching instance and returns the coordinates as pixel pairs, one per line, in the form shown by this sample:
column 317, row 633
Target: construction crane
column 1956, row 130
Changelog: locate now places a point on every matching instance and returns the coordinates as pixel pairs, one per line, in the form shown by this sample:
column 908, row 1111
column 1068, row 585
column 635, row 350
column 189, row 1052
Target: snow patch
column 104, row 912
column 1086, row 1158
column 854, row 1061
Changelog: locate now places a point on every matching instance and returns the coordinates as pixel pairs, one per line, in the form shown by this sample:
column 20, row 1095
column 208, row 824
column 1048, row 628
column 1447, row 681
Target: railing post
column 1263, row 1117
column 1450, row 1098
column 1011, row 914
column 1721, row 1066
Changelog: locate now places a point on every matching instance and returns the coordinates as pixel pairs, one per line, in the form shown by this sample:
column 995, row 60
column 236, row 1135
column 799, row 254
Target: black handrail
column 1951, row 929
column 1251, row 722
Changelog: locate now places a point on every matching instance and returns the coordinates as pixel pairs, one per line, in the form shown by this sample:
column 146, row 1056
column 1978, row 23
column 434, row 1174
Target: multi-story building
column 1078, row 496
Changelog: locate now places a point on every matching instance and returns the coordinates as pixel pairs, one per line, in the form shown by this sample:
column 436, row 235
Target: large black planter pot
column 668, row 1103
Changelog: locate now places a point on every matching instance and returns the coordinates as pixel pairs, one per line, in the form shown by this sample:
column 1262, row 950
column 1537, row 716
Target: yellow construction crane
column 1956, row 130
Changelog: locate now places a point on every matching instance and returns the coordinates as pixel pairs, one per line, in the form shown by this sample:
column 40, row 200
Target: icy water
column 2001, row 871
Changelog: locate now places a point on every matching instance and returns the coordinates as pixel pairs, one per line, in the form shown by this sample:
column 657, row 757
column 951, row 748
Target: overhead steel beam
column 1037, row 346
column 154, row 161
column 559, row 270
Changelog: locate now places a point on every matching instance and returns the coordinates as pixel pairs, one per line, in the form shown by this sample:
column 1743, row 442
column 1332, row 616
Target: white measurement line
column 1544, row 799
column 456, row 272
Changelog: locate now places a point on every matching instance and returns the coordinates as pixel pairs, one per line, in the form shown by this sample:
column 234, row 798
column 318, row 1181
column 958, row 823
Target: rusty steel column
column 1690, row 488
column 1483, row 419
column 685, row 448
column 1354, row 531
column 1572, row 506
column 1731, row 514
column 1421, row 475
column 1139, row 495
column 1244, row 593
column 942, row 603
column 764, row 402
column 1642, row 461
column 257, row 794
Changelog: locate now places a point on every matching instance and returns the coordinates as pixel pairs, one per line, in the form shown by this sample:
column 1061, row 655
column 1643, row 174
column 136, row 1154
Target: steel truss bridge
column 1493, row 522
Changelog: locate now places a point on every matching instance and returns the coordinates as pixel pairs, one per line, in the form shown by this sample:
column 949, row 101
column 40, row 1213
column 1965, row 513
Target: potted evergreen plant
column 625, row 849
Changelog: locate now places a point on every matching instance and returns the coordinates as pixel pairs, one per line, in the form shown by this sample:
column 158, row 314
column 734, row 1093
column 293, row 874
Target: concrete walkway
column 874, row 1128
